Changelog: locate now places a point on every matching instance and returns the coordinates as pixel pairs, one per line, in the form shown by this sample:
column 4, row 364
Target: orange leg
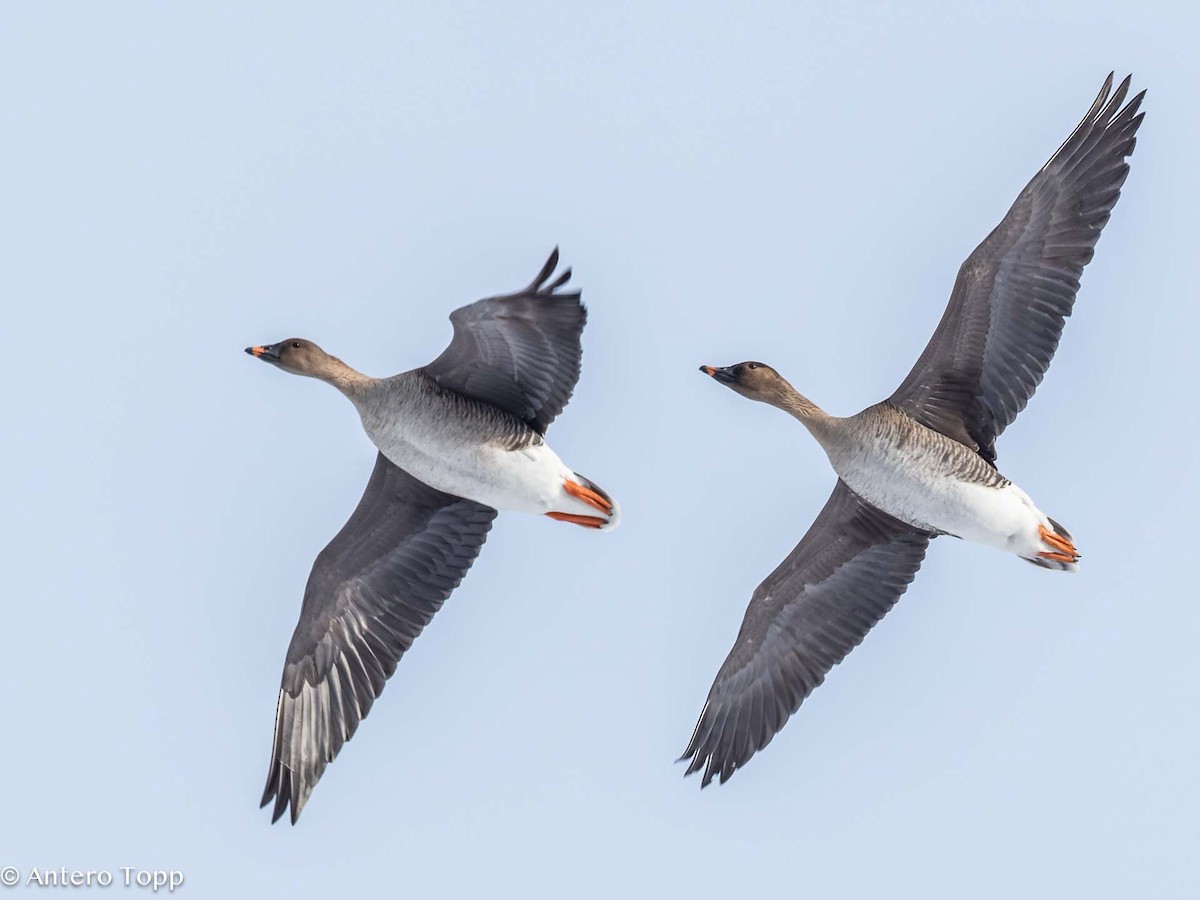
column 588, row 496
column 585, row 521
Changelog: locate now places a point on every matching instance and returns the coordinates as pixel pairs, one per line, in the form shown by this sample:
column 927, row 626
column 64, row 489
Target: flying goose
column 922, row 462
column 458, row 440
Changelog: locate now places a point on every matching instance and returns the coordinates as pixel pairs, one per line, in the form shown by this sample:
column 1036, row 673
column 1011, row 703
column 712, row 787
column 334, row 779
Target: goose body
column 922, row 463
column 935, row 484
column 468, row 448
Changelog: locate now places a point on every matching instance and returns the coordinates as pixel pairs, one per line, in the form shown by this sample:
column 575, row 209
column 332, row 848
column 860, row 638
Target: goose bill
column 720, row 373
column 268, row 352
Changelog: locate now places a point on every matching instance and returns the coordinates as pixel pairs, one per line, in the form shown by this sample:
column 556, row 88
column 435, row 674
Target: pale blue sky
column 729, row 182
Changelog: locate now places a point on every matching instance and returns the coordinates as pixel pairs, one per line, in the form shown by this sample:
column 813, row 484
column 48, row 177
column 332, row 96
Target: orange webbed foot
column 588, row 496
column 1062, row 548
column 585, row 521
column 1060, row 557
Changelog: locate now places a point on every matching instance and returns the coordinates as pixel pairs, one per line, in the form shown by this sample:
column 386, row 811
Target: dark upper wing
column 371, row 591
column 1014, row 292
column 848, row 571
column 520, row 352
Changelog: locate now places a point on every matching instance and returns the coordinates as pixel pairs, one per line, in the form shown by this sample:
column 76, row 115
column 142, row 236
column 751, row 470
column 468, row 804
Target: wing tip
column 709, row 750
column 1106, row 110
column 287, row 799
column 698, row 759
column 279, row 788
column 707, row 760
column 562, row 279
column 539, row 284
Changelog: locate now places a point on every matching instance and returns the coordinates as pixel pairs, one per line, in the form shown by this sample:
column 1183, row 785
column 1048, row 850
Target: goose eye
column 295, row 345
column 752, row 366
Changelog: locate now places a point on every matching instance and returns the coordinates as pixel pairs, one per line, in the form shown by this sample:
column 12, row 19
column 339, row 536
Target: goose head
column 753, row 380
column 298, row 356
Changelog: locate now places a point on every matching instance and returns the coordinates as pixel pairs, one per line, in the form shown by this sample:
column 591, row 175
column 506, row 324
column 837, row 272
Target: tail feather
column 1060, row 531
column 1053, row 564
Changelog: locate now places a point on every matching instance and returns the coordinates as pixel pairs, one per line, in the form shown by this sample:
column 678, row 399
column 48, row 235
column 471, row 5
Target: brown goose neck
column 795, row 404
column 800, row 406
column 349, row 381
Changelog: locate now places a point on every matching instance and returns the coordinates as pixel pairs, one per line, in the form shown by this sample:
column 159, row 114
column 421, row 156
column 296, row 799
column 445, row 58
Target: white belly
column 1002, row 517
column 528, row 480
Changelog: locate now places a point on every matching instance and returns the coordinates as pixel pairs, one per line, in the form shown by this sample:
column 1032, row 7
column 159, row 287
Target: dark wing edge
column 1010, row 301
column 520, row 352
column 372, row 590
column 844, row 575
